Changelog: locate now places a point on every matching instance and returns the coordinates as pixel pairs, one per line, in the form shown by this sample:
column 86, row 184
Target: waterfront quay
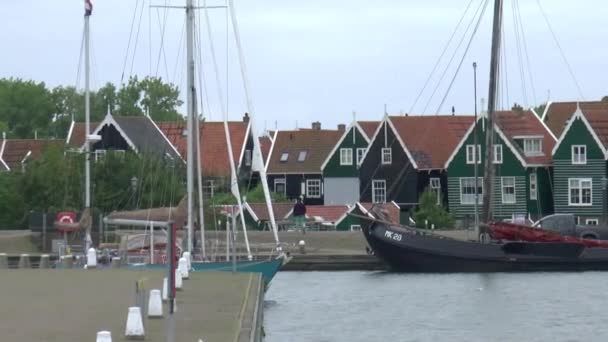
column 55, row 305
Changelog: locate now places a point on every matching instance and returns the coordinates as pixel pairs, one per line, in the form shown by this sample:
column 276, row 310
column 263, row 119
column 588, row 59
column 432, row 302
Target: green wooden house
column 522, row 161
column 579, row 164
column 341, row 167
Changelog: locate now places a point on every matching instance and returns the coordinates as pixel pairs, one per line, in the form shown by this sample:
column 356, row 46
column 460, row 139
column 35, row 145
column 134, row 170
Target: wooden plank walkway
column 72, row 305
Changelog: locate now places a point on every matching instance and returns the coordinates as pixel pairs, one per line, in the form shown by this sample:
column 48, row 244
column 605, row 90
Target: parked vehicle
column 565, row 224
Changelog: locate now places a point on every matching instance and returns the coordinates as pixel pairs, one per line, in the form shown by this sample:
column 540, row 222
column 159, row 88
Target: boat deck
column 72, row 305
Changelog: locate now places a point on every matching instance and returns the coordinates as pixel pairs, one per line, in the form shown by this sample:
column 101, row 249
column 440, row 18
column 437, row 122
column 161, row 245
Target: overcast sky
column 316, row 59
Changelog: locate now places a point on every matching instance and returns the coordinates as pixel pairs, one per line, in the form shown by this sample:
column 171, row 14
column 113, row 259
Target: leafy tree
column 540, row 109
column 25, row 107
column 255, row 195
column 11, row 198
column 605, row 99
column 151, row 95
column 517, row 107
column 435, row 214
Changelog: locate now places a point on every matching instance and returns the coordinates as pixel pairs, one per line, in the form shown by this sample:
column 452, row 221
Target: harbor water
column 378, row 306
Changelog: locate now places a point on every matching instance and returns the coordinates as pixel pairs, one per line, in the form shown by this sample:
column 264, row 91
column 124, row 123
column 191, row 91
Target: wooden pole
column 488, row 180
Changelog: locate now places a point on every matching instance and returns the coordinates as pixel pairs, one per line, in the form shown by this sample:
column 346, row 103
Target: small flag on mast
column 88, row 8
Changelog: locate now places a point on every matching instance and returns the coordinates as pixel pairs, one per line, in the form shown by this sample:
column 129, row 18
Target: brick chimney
column 341, row 127
column 316, row 126
column 246, row 118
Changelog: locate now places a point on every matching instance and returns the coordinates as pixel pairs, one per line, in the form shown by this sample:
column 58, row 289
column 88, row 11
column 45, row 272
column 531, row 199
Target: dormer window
column 533, row 147
column 284, row 157
column 579, row 154
column 247, row 157
column 387, row 156
column 302, row 156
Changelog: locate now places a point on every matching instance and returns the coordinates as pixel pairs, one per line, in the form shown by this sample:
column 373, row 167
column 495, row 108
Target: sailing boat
column 413, row 250
column 268, row 267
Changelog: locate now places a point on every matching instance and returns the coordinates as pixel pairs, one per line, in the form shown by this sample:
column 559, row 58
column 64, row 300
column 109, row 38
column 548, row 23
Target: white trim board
column 245, row 139
column 2, row 154
column 167, row 139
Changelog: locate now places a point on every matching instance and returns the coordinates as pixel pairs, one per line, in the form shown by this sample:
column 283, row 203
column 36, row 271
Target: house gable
column 352, row 139
column 579, row 132
column 400, row 175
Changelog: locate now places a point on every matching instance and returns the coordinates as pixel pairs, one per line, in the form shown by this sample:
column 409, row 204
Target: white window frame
column 284, row 157
column 247, row 157
column 580, row 189
column 505, row 199
column 280, row 181
column 497, row 153
column 355, row 227
column 470, row 154
column 387, row 156
column 302, row 156
column 579, row 154
column 380, row 185
column 346, row 156
column 100, row 154
column 531, row 142
column 435, row 186
column 533, row 187
column 360, row 153
column 480, row 193
column 311, row 184
column 593, row 222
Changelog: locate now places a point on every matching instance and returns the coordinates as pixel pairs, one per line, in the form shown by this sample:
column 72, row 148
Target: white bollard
column 104, row 336
column 155, row 305
column 188, row 257
column 183, row 267
column 91, row 258
column 3, row 260
column 44, row 261
column 135, row 325
column 24, row 261
column 178, row 279
column 165, row 289
column 302, row 246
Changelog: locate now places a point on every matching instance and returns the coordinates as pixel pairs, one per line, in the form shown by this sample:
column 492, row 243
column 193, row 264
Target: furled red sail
column 517, row 232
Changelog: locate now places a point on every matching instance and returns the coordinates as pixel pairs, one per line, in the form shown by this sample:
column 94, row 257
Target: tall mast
column 87, row 119
column 488, row 181
column 190, row 119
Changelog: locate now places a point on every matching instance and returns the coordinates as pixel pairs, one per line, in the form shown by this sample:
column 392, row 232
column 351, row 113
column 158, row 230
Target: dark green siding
column 348, row 221
column 333, row 167
column 543, row 205
column 511, row 167
column 578, row 134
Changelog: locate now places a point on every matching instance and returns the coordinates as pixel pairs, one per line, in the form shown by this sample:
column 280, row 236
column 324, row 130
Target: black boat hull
column 406, row 250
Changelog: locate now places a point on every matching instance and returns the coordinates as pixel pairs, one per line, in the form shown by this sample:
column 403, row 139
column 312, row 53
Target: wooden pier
column 73, row 305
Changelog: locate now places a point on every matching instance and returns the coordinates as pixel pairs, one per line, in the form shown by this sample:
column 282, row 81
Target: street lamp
column 133, row 183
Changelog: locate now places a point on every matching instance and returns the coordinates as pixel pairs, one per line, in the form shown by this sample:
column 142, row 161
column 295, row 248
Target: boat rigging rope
column 504, row 69
column 525, row 48
column 234, row 186
column 180, row 47
column 203, row 90
column 257, row 154
column 445, row 49
column 561, row 51
column 463, row 57
column 445, row 70
column 520, row 59
column 137, row 37
column 79, row 63
column 161, row 49
column 124, row 66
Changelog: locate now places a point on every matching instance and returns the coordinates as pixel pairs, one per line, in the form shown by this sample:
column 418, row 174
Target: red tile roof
column 558, row 113
column 598, row 119
column 431, row 139
column 15, row 150
column 280, row 210
column 317, row 144
column 369, row 127
column 526, row 123
column 214, row 150
column 76, row 137
column 265, row 145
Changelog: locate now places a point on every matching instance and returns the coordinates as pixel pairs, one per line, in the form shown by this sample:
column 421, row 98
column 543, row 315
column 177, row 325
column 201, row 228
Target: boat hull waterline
column 406, row 250
column 268, row 268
